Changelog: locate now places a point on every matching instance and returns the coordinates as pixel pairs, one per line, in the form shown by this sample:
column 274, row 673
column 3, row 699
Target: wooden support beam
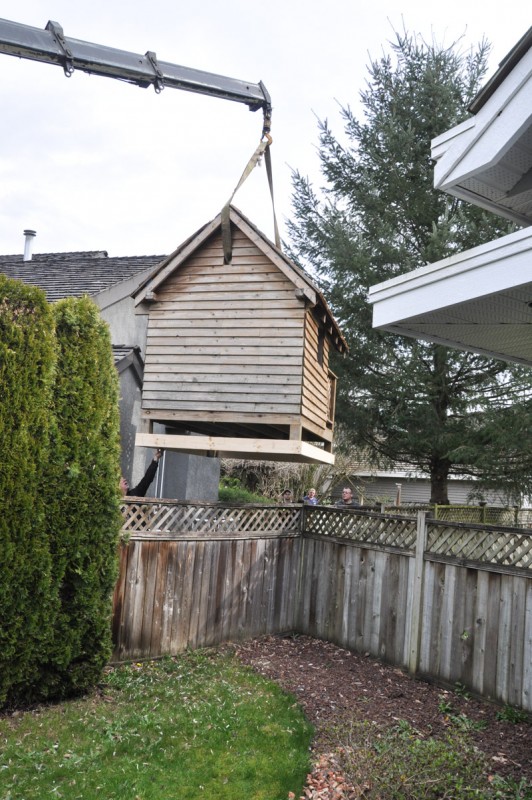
column 296, row 432
column 225, row 447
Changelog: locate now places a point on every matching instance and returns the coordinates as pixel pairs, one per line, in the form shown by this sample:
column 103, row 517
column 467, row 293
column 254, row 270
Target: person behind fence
column 287, row 497
column 310, row 498
column 142, row 487
column 347, row 500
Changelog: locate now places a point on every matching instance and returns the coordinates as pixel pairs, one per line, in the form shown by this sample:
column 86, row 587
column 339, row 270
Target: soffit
column 480, row 300
column 488, row 159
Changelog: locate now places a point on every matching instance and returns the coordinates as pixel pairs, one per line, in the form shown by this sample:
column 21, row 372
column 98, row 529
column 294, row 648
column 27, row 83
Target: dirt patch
column 334, row 684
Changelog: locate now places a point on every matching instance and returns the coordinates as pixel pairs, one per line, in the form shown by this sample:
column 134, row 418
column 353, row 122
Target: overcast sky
column 92, row 163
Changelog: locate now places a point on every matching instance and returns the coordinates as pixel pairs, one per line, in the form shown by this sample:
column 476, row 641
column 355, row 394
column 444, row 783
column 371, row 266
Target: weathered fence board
column 457, row 611
column 351, row 596
column 178, row 594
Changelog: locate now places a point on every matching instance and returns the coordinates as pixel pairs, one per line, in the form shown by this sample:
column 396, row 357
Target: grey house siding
column 413, row 490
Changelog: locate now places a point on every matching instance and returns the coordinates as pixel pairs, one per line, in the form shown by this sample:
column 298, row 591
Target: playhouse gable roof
column 301, row 281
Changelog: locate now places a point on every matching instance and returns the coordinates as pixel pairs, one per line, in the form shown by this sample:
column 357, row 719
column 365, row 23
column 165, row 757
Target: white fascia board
column 454, row 137
column 463, row 151
column 484, row 270
column 489, row 205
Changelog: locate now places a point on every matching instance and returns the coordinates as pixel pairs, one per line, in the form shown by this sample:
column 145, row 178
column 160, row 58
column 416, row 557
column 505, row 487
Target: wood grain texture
column 220, row 574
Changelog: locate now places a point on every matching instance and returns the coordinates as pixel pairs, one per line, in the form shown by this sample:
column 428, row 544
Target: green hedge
column 59, row 472
column 81, row 489
column 27, row 606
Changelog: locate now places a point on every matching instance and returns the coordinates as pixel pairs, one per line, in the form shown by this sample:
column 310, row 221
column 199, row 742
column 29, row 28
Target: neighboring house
column 401, row 484
column 110, row 283
column 479, row 300
column 237, row 354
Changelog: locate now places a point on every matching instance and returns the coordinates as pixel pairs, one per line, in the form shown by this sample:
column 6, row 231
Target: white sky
column 92, row 163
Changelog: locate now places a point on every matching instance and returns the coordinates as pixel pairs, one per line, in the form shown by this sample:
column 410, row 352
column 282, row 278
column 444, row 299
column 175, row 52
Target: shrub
column 81, row 489
column 232, row 491
column 27, row 609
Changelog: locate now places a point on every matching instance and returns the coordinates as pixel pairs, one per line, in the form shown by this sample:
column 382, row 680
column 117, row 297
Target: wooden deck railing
column 448, row 601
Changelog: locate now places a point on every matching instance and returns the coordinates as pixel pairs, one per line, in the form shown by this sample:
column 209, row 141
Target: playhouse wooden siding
column 319, row 388
column 229, row 342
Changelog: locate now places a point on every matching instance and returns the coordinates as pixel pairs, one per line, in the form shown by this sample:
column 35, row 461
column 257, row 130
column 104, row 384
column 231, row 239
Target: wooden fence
column 199, row 575
column 449, row 601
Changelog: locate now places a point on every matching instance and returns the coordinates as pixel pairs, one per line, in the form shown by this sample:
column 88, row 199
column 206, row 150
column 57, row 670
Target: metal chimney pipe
column 28, row 241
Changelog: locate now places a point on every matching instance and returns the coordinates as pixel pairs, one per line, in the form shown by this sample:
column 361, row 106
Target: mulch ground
column 333, row 684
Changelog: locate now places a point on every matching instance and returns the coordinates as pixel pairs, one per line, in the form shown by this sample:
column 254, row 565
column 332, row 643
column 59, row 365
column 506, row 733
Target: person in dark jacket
column 142, row 487
column 347, row 500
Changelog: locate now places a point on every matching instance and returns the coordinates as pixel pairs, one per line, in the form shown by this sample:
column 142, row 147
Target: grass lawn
column 196, row 726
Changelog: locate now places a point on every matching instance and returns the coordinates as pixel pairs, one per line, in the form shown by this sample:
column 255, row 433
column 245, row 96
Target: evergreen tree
column 27, row 605
column 378, row 217
column 80, row 484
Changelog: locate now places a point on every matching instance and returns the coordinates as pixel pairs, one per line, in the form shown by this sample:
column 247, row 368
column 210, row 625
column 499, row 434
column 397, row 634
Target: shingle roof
column 505, row 67
column 74, row 274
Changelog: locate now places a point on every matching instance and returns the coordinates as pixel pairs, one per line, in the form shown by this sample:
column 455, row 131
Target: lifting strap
column 262, row 149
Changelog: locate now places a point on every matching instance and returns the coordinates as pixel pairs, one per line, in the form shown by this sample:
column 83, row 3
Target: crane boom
column 52, row 47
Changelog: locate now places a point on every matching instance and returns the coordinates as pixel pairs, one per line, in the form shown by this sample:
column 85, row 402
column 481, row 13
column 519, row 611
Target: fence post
column 417, row 600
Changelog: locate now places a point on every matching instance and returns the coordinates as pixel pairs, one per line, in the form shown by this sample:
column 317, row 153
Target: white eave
column 487, row 160
column 479, row 300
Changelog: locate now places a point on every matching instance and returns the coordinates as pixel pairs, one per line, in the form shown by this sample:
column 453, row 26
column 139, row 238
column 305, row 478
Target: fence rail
column 452, row 602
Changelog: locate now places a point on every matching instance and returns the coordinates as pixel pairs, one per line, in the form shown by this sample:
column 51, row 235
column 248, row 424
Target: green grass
column 195, row 726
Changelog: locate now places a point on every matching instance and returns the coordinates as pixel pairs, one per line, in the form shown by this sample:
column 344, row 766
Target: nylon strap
column 262, row 149
column 268, row 161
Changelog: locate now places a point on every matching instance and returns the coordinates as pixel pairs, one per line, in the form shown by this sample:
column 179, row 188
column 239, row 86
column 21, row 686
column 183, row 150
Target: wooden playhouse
column 237, row 354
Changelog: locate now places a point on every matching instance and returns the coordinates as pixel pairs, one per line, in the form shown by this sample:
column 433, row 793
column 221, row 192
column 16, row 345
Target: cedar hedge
column 60, row 635
column 82, row 476
column 27, row 361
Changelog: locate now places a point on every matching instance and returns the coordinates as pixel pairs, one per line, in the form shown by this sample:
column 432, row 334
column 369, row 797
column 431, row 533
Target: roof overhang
column 487, row 160
column 479, row 300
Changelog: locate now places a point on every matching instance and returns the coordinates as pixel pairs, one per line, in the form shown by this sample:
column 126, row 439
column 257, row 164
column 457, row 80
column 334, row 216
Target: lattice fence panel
column 182, row 518
column 507, row 547
column 366, row 527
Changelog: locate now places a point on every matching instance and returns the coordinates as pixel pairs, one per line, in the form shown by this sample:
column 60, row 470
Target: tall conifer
column 378, row 216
